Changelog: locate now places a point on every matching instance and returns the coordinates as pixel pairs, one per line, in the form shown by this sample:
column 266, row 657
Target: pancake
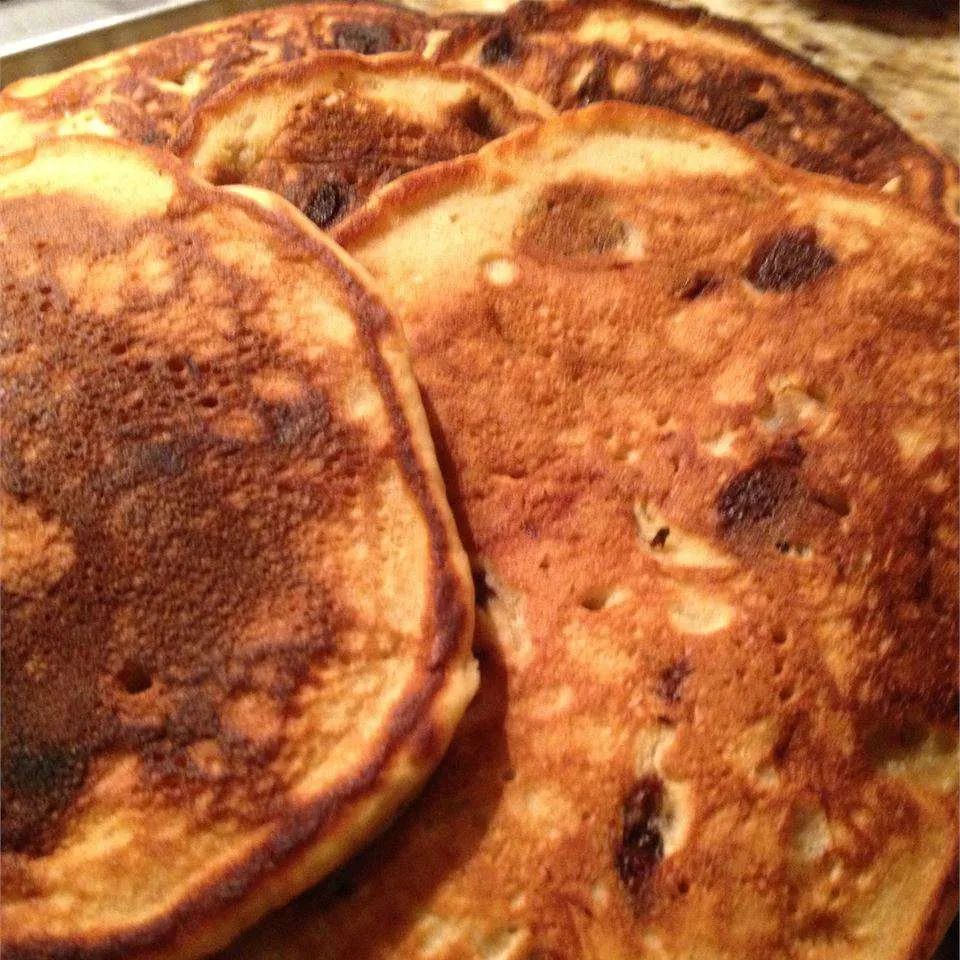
column 144, row 92
column 697, row 413
column 237, row 616
column 716, row 70
column 326, row 132
column 570, row 53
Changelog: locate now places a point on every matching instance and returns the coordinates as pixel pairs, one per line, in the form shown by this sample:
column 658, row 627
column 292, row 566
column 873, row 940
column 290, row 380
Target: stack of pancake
column 561, row 402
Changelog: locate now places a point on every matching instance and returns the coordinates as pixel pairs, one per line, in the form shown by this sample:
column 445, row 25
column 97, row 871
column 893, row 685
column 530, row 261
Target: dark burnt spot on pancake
column 185, row 589
column 328, row 204
column 14, row 475
column 760, row 492
column 640, row 846
column 288, row 424
column 670, row 681
column 366, row 38
column 788, row 260
column 35, row 776
column 699, row 285
column 499, row 48
column 155, row 461
column 570, row 221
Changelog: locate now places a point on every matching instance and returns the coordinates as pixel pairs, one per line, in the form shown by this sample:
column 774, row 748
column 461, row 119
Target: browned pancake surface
column 715, row 70
column 143, row 93
column 236, row 616
column 697, row 413
column 325, row 133
column 571, row 53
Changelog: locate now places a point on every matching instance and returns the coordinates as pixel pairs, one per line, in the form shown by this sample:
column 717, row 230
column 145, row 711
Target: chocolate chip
column 788, row 260
column 365, row 38
column 641, row 843
column 733, row 113
column 671, row 680
column 498, row 48
column 660, row 538
column 328, row 204
column 698, row 285
column 757, row 493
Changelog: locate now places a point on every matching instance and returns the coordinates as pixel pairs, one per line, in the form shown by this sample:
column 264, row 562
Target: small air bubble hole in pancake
column 600, row 598
column 134, row 677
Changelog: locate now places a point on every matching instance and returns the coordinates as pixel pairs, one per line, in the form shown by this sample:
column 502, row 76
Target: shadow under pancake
column 451, row 477
column 452, row 814
column 950, row 948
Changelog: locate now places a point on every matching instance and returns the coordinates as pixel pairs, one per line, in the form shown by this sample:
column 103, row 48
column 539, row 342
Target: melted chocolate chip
column 788, row 260
column 660, row 538
column 698, row 285
column 671, row 680
column 364, row 38
column 757, row 493
column 328, row 204
column 641, row 843
column 498, row 48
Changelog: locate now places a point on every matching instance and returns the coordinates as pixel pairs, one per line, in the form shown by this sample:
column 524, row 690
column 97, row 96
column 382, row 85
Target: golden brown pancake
column 236, row 614
column 570, row 53
column 697, row 412
column 719, row 71
column 327, row 131
column 144, row 92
